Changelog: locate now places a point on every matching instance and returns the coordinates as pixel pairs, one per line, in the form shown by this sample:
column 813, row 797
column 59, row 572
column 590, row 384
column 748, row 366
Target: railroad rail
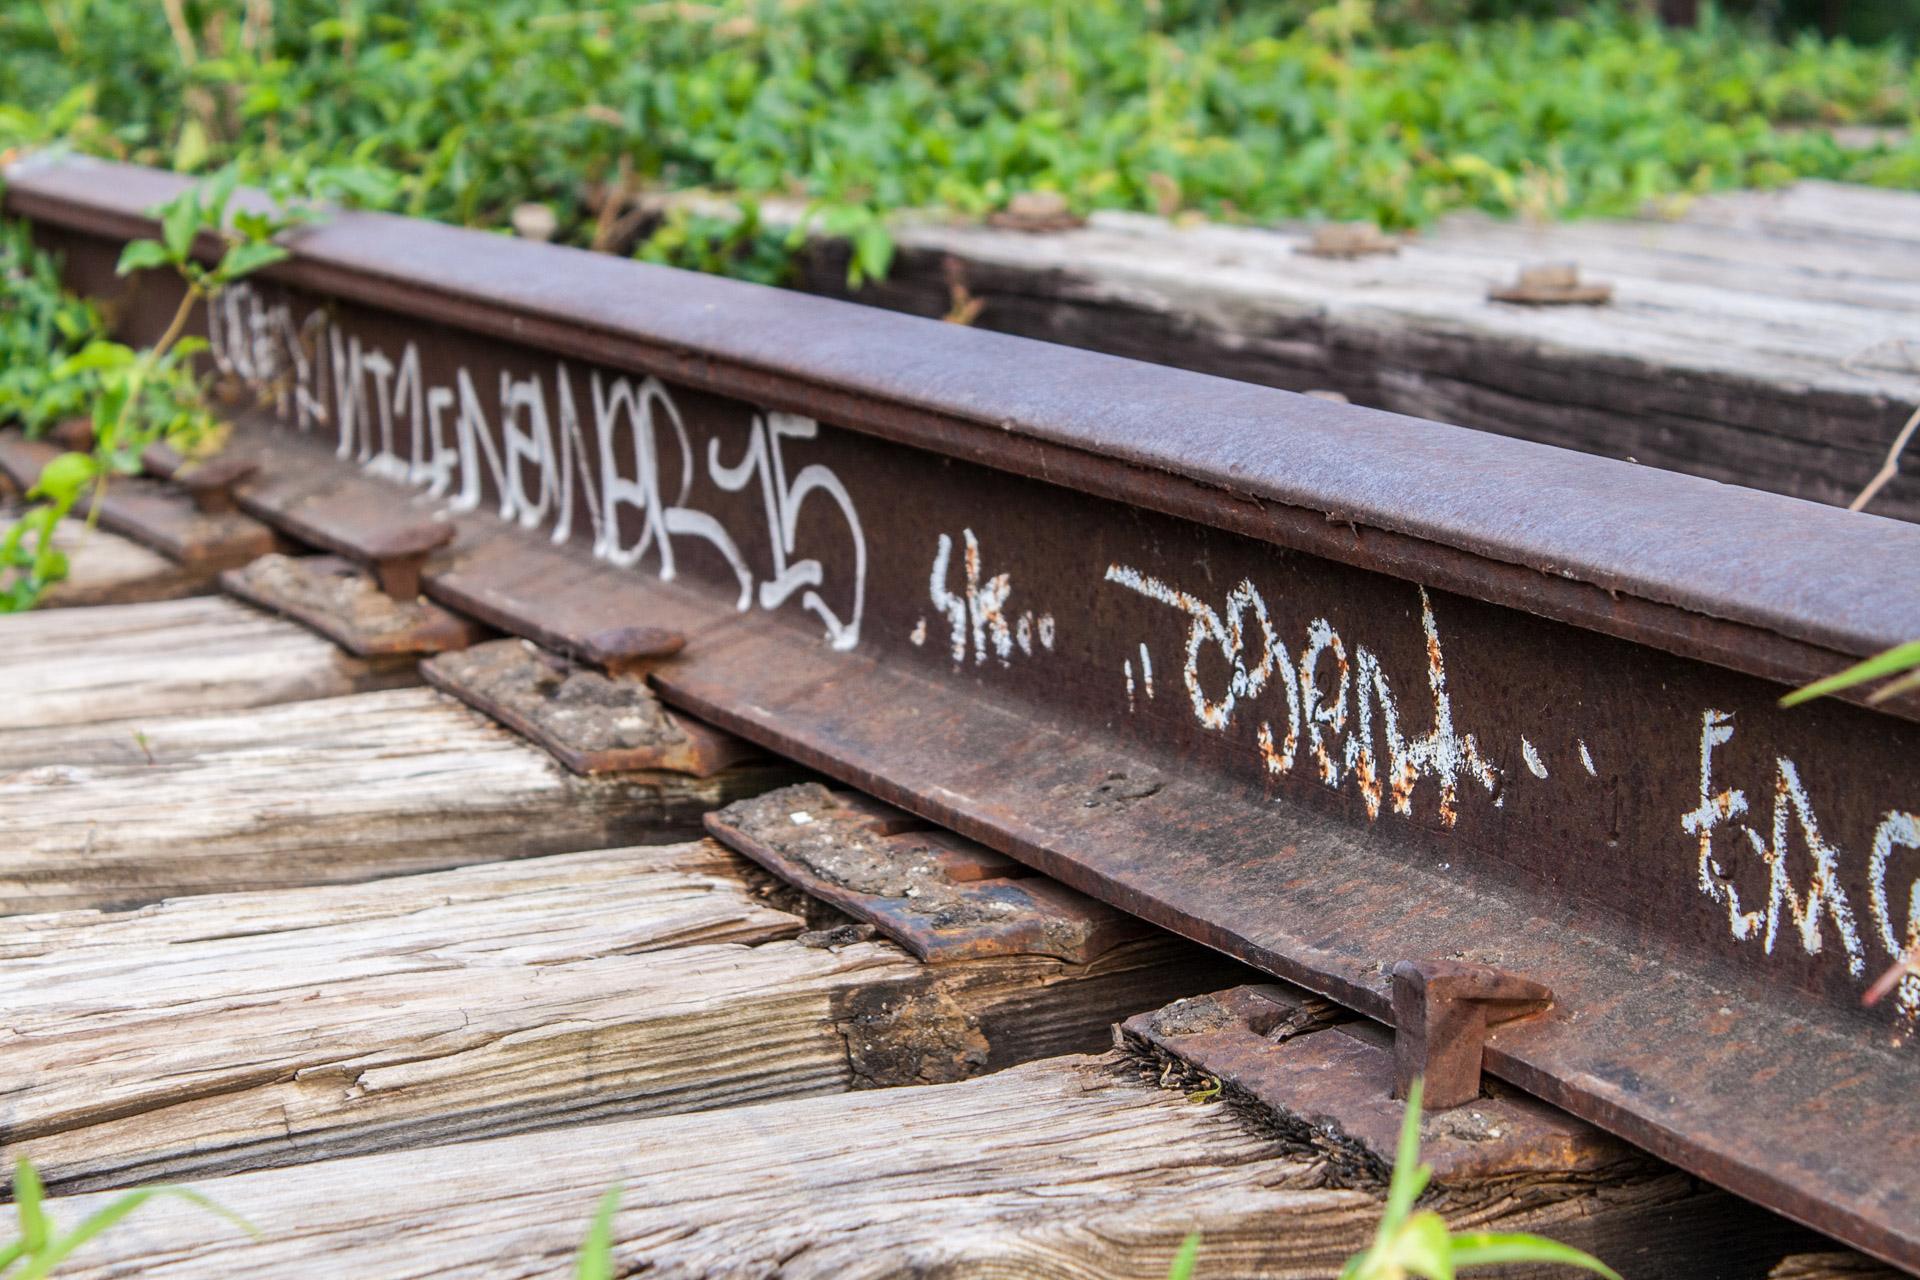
column 1323, row 688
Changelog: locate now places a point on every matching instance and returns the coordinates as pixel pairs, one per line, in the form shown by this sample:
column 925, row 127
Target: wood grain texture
column 1754, row 339
column 207, row 653
column 242, row 1030
column 1060, row 1169
column 380, row 784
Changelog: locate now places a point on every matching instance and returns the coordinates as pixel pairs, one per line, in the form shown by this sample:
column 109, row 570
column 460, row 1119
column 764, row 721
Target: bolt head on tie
column 1441, row 1012
column 628, row 651
column 210, row 483
column 400, row 552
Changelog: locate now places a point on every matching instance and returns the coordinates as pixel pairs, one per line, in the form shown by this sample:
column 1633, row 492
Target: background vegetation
column 1249, row 110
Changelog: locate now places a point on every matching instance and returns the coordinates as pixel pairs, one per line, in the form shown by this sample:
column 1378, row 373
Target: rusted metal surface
column 1337, row 1083
column 939, row 895
column 1586, row 540
column 1508, row 705
column 604, row 721
column 160, row 515
column 1441, row 1012
column 346, row 603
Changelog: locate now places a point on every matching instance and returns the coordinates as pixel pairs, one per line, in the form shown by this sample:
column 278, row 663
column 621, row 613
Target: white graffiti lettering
column 540, row 467
column 1334, row 700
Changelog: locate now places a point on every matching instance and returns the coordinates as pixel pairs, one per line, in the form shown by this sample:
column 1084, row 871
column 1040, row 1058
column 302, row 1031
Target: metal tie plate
column 599, row 718
column 940, row 895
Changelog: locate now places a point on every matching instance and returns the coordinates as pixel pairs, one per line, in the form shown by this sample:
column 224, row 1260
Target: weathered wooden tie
column 1067, row 1167
column 105, row 568
column 238, row 1031
column 344, row 789
column 203, row 654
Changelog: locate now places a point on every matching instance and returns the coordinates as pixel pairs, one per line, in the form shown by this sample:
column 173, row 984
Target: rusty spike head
column 399, row 552
column 210, row 483
column 1441, row 1012
column 629, row 651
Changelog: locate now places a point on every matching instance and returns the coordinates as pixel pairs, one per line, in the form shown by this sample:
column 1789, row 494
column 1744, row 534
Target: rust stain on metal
column 939, row 895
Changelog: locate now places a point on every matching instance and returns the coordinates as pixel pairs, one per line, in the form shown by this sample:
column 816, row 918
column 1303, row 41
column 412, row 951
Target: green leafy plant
column 739, row 245
column 1398, row 111
column 138, row 398
column 38, row 1249
column 41, row 324
column 1409, row 1243
column 595, row 1259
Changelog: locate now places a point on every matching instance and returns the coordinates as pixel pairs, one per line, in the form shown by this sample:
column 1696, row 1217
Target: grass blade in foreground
column 1419, row 1244
column 43, row 1251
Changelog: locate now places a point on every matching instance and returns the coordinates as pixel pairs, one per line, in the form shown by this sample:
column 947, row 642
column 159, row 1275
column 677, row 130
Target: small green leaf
column 1186, row 1258
column 179, row 223
column 63, row 477
column 1483, row 1248
column 192, row 150
column 96, row 355
column 254, row 226
column 595, row 1261
column 141, row 254
column 244, row 259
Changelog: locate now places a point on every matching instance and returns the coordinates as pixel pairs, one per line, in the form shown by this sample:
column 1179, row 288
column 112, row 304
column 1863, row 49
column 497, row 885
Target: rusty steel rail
column 1328, row 689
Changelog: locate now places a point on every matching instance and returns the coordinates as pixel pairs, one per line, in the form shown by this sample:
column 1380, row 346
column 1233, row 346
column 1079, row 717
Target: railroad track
column 1409, row 726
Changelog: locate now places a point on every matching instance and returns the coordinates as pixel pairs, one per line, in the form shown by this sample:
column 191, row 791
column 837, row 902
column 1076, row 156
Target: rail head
column 1770, row 585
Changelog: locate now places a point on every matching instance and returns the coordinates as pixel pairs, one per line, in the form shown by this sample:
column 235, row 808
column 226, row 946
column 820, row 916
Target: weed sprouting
column 595, row 1259
column 1419, row 1244
column 137, row 398
column 37, row 1250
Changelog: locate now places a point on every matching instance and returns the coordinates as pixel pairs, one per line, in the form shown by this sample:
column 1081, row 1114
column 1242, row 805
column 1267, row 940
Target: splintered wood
column 71, row 666
column 1063, row 1169
column 236, row 1031
column 348, row 788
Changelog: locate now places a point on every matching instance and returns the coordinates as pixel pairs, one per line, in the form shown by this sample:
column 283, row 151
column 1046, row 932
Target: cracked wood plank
column 345, row 789
column 242, row 1030
column 204, row 653
column 1062, row 1168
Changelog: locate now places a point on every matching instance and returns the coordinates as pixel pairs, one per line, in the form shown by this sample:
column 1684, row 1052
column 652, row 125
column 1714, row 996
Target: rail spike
column 1441, row 1012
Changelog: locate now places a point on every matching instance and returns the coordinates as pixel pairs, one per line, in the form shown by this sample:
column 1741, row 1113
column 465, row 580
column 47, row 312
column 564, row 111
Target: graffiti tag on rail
column 1343, row 722
column 386, row 417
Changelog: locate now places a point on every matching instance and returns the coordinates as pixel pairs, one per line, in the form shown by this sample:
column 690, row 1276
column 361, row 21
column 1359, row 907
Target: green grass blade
column 43, row 1261
column 1482, row 1248
column 1895, row 660
column 1186, row 1258
column 27, row 1195
column 596, row 1251
column 1409, row 1175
